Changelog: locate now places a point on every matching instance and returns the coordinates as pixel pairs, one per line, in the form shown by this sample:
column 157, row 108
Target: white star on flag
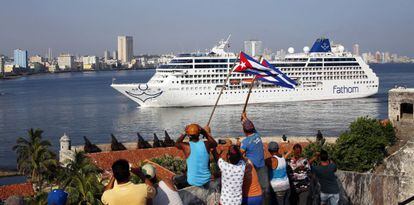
column 243, row 64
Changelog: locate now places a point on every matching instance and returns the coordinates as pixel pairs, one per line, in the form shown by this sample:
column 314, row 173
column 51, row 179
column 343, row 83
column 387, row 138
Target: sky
column 89, row 27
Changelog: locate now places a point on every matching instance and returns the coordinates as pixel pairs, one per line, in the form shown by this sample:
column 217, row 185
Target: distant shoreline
column 17, row 76
column 4, row 172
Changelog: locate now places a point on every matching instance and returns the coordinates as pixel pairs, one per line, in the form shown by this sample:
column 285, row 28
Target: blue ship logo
column 325, row 46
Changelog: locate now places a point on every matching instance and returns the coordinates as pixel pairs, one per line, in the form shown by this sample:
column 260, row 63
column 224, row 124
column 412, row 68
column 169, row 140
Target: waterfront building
column 111, row 63
column 8, row 68
column 90, row 62
column 253, row 47
column 280, row 54
column 268, row 54
column 106, row 55
column 387, row 57
column 164, row 59
column 125, row 49
column 20, row 58
column 378, row 56
column 365, row 57
column 36, row 59
column 115, row 55
column 52, row 67
column 66, row 61
column 356, row 49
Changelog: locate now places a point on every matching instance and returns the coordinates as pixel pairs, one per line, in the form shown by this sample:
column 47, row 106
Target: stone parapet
column 368, row 188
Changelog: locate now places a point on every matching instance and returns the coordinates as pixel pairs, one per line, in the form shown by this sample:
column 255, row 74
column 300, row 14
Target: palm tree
column 34, row 159
column 80, row 180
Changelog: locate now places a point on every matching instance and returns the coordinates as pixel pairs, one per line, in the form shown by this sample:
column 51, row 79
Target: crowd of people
column 246, row 176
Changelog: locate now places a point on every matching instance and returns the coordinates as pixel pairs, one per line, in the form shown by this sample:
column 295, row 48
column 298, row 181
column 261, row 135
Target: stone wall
column 393, row 184
column 368, row 188
column 404, row 126
column 401, row 164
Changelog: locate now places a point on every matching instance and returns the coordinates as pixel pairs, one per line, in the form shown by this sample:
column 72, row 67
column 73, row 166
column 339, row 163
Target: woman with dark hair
column 300, row 175
column 232, row 168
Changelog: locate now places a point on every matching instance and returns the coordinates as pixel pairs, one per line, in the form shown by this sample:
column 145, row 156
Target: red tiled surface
column 25, row 189
column 104, row 160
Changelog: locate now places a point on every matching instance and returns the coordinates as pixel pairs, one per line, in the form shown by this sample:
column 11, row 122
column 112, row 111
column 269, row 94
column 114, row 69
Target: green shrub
column 362, row 147
column 174, row 164
column 313, row 147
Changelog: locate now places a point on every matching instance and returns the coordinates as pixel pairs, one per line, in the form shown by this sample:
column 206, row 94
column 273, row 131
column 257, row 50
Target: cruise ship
column 322, row 72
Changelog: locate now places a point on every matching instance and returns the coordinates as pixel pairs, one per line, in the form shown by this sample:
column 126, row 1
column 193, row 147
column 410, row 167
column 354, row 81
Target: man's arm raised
column 179, row 143
column 211, row 141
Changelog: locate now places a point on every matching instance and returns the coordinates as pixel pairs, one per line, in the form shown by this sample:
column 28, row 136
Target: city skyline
column 185, row 26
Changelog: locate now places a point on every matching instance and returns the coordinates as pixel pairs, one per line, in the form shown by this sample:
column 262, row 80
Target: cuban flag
column 262, row 71
column 282, row 78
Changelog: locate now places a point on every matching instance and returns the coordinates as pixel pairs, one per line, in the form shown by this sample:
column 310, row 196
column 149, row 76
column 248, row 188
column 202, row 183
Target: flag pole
column 248, row 94
column 250, row 90
column 222, row 89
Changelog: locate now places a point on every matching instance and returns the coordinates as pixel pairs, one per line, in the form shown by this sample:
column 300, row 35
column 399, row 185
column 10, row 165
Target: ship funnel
column 321, row 45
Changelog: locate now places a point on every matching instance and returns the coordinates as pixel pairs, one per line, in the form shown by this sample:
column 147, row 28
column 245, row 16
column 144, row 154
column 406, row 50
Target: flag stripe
column 263, row 71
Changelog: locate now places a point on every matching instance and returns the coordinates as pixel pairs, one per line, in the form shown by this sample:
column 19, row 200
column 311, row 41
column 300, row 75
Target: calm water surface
column 83, row 104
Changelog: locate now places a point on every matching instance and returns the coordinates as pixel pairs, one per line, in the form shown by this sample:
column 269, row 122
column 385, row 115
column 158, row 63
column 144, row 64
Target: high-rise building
column 106, row 55
column 49, row 55
column 387, row 57
column 66, row 61
column 20, row 58
column 1, row 65
column 125, row 49
column 115, row 55
column 378, row 57
column 356, row 49
column 253, row 47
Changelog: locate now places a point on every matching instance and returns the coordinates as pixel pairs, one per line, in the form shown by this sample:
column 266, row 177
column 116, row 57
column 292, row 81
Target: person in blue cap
column 57, row 197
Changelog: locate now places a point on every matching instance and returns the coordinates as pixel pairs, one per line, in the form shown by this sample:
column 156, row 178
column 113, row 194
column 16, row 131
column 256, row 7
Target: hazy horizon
column 91, row 27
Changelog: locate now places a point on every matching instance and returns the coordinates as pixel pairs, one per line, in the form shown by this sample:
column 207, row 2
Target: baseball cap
column 273, row 147
column 148, row 170
column 248, row 126
column 192, row 129
column 57, row 196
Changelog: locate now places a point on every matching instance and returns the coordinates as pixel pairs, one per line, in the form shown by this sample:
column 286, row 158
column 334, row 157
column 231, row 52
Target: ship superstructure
column 322, row 72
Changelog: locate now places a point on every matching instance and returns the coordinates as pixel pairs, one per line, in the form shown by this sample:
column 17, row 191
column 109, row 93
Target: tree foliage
column 80, row 179
column 174, row 164
column 360, row 148
column 34, row 157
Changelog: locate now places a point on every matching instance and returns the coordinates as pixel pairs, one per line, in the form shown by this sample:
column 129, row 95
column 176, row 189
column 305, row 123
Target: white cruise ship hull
column 171, row 97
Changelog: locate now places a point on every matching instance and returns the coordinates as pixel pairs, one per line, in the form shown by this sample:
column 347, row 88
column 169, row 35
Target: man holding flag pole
column 252, row 145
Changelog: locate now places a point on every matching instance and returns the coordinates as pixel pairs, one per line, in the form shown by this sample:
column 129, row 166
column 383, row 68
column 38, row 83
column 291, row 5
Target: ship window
column 182, row 61
column 211, row 60
column 315, row 59
column 406, row 111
